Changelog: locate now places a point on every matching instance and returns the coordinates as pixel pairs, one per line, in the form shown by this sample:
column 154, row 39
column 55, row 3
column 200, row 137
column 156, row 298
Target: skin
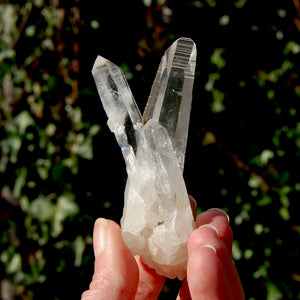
column 211, row 274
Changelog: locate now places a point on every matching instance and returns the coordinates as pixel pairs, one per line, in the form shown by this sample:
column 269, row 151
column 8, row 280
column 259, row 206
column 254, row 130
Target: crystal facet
column 157, row 218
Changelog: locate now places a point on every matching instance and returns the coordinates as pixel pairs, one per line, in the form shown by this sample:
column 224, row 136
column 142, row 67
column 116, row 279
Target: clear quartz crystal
column 157, row 218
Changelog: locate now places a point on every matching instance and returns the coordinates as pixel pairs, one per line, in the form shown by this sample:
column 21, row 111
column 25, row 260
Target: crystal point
column 157, row 218
column 171, row 94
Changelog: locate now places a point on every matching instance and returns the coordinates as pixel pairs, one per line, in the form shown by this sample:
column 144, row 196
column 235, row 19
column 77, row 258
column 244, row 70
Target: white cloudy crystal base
column 157, row 218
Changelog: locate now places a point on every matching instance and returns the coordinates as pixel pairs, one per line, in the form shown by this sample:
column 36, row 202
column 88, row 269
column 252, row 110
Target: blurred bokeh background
column 61, row 168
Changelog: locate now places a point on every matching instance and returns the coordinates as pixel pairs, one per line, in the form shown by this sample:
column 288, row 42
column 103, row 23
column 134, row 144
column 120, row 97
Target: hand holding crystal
column 157, row 238
column 210, row 271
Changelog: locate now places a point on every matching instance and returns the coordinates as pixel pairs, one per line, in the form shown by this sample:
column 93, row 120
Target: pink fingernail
column 210, row 247
column 100, row 235
column 212, row 227
column 221, row 211
column 193, row 199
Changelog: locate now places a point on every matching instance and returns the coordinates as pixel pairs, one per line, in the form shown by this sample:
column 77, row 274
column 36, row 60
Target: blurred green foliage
column 60, row 167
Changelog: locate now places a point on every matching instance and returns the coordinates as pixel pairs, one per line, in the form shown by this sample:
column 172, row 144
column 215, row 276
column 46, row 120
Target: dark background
column 61, row 168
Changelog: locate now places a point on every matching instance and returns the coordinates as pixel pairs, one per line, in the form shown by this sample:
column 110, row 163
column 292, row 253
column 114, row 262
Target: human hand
column 210, row 271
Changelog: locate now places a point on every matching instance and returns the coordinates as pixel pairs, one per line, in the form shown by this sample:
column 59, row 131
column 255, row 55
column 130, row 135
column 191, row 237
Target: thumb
column 116, row 272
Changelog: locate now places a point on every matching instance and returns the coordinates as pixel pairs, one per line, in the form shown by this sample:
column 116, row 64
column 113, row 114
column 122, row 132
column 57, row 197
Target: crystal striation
column 157, row 218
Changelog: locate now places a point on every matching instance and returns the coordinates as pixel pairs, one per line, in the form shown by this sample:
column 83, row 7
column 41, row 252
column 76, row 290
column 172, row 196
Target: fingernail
column 211, row 226
column 193, row 199
column 210, row 247
column 100, row 235
column 222, row 211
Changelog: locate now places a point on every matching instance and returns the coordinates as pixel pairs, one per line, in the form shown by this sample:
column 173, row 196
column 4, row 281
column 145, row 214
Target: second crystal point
column 171, row 94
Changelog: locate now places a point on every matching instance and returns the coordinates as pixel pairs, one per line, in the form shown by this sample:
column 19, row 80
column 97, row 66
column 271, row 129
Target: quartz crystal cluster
column 157, row 218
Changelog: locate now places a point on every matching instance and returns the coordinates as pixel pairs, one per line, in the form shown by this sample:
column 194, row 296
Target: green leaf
column 147, row 3
column 266, row 200
column 23, row 120
column 273, row 293
column 71, row 163
column 236, row 251
column 217, row 58
column 126, row 71
column 20, row 182
column 79, row 247
column 211, row 3
column 293, row 47
column 254, row 182
column 15, row 264
column 30, row 31
column 212, row 78
column 240, row 3
column 218, row 97
column 43, row 167
column 42, row 208
column 258, row 229
column 284, row 213
column 265, row 156
column 248, row 253
column 65, row 207
column 94, row 130
column 11, row 147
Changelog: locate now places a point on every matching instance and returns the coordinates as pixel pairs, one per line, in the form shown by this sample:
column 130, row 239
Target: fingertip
column 104, row 229
column 203, row 236
column 193, row 204
column 206, row 275
column 193, row 201
column 220, row 220
column 210, row 215
column 220, row 211
column 212, row 227
column 150, row 283
column 102, row 222
column 113, row 262
column 100, row 235
column 184, row 292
